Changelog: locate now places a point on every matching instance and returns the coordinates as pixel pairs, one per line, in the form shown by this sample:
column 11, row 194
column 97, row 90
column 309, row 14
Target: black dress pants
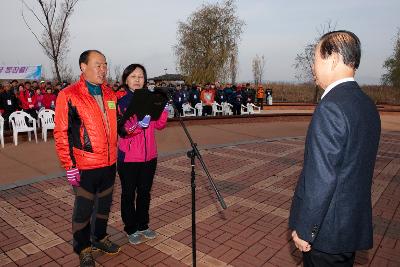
column 98, row 181
column 136, row 182
column 316, row 258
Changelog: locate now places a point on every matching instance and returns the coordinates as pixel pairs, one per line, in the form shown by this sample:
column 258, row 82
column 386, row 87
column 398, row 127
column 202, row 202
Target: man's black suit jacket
column 331, row 207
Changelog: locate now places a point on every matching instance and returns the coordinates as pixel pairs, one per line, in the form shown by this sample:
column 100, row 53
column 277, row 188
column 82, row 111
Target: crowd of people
column 28, row 96
column 236, row 95
column 31, row 96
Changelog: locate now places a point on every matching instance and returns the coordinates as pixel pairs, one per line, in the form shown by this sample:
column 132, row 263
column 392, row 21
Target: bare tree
column 392, row 65
column 233, row 63
column 54, row 17
column 304, row 61
column 258, row 65
column 208, row 42
column 118, row 72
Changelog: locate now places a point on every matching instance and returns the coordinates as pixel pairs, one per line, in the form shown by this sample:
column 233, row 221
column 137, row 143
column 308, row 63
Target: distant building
column 168, row 79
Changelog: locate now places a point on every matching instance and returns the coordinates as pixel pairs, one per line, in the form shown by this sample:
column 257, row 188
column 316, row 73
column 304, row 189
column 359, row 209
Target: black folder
column 146, row 102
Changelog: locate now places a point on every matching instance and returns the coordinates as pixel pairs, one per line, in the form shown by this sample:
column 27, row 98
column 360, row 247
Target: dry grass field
column 304, row 93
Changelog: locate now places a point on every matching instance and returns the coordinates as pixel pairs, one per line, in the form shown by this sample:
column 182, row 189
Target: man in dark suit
column 331, row 213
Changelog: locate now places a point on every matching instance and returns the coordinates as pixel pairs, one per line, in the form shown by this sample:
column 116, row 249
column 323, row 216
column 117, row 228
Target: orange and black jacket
column 85, row 137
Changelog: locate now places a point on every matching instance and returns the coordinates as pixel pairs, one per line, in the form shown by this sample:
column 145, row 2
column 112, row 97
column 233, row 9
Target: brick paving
column 257, row 180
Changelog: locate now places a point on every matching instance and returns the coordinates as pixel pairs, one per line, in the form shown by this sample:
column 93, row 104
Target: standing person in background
column 39, row 99
column 14, row 86
column 207, row 96
column 249, row 94
column 260, row 96
column 236, row 100
column 220, row 95
column 331, row 213
column 178, row 99
column 28, row 100
column 194, row 95
column 137, row 158
column 35, row 85
column 42, row 85
column 86, row 142
column 228, row 92
column 49, row 99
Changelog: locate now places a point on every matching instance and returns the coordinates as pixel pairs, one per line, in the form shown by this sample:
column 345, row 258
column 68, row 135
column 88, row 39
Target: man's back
column 340, row 154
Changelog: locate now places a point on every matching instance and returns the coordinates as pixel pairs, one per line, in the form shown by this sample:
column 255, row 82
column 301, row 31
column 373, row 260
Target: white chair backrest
column 188, row 110
column 217, row 107
column 17, row 119
column 250, row 109
column 1, row 124
column 186, row 107
column 1, row 131
column 47, row 117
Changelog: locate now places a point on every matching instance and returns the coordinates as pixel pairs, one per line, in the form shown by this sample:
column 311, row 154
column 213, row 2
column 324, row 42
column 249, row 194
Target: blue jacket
column 331, row 206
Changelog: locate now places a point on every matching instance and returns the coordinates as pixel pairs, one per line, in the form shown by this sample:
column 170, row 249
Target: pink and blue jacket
column 140, row 145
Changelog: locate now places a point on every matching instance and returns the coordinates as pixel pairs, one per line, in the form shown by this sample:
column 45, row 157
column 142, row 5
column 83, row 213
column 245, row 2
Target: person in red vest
column 207, row 96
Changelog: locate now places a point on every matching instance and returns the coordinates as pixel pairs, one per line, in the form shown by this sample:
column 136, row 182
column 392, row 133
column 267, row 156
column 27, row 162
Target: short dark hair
column 128, row 70
column 84, row 57
column 345, row 43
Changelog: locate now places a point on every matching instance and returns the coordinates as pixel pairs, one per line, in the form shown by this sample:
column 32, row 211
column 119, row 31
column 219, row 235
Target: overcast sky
column 131, row 31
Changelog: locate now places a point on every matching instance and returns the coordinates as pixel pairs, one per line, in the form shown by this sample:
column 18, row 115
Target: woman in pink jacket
column 137, row 158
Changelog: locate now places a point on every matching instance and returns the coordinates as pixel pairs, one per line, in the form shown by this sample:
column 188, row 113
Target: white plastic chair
column 46, row 117
column 171, row 112
column 2, row 131
column 253, row 109
column 243, row 110
column 19, row 125
column 216, row 109
column 38, row 119
column 188, row 110
column 226, row 108
column 199, row 107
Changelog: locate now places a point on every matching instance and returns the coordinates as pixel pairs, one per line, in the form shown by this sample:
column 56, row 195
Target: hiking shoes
column 106, row 246
column 86, row 258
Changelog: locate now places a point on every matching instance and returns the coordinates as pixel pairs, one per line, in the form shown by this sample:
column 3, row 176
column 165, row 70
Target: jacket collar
column 83, row 87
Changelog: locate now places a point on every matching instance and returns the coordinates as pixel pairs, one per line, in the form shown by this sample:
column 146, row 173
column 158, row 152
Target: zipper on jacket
column 129, row 147
column 145, row 145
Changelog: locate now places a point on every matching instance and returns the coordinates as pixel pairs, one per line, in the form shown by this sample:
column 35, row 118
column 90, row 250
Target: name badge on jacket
column 111, row 104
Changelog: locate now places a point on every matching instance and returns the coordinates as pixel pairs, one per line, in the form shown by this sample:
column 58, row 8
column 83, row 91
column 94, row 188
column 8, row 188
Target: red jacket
column 83, row 137
column 28, row 99
column 48, row 99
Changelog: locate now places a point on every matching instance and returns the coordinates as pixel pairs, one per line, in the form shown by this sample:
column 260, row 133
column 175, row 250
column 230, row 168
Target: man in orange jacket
column 86, row 142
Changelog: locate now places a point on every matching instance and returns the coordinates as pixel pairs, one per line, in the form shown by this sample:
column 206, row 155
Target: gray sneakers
column 136, row 237
column 148, row 233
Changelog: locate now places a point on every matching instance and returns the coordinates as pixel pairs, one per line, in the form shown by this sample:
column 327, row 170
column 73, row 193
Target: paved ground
column 255, row 173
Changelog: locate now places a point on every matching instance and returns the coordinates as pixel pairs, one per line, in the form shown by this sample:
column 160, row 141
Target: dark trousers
column 207, row 110
column 236, row 109
column 94, row 183
column 32, row 112
column 316, row 258
column 260, row 103
column 136, row 182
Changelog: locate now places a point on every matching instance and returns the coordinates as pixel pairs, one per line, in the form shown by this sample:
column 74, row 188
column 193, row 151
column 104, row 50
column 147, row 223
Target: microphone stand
column 193, row 154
